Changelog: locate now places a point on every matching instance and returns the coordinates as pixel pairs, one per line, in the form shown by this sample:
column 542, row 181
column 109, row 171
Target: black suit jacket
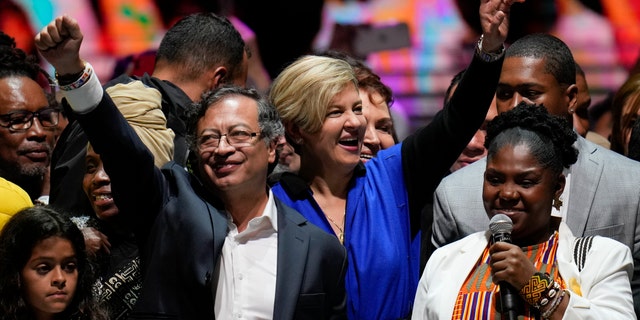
column 182, row 229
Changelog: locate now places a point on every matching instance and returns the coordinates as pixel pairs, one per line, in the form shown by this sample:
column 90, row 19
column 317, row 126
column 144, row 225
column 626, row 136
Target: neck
column 328, row 180
column 244, row 207
column 192, row 88
column 326, row 185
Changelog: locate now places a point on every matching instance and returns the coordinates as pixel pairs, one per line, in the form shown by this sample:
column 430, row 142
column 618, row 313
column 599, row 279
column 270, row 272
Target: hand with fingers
column 59, row 43
column 95, row 240
column 509, row 263
column 494, row 18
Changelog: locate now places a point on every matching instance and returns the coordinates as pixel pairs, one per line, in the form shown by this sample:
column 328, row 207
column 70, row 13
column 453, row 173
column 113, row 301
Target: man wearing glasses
column 27, row 123
column 215, row 243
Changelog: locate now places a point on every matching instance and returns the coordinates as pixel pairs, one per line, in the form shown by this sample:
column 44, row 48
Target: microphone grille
column 500, row 223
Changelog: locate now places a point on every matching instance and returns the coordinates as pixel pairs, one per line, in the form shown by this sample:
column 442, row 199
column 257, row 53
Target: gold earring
column 557, row 203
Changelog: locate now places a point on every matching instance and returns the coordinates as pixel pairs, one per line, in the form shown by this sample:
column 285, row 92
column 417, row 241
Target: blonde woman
column 374, row 209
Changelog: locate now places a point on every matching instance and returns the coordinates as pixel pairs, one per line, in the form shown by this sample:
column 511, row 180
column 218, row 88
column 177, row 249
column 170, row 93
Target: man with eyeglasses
column 28, row 123
column 216, row 243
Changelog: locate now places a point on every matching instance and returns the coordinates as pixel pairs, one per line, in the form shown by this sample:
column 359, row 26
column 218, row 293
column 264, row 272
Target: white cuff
column 87, row 97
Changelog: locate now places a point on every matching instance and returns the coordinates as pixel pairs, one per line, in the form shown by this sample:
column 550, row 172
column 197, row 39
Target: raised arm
column 138, row 186
column 429, row 152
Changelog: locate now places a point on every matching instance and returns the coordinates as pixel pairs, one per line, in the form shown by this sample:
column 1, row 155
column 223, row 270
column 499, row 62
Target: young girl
column 44, row 273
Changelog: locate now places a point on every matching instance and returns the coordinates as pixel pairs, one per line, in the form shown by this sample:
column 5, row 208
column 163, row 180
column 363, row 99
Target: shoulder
column 474, row 240
column 316, row 235
column 597, row 153
column 466, row 177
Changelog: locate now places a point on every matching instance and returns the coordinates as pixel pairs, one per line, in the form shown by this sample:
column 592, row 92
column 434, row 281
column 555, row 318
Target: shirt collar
column 267, row 220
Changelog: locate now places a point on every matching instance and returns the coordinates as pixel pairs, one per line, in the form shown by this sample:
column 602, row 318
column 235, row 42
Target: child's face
column 50, row 276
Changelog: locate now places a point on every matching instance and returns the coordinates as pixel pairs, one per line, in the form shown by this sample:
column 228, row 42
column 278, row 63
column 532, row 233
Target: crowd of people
column 183, row 194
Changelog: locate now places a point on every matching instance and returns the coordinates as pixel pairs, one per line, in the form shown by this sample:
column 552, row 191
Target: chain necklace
column 341, row 229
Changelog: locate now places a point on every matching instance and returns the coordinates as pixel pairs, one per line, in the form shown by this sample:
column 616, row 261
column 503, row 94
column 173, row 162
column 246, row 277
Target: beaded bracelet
column 86, row 74
column 539, row 290
column 556, row 302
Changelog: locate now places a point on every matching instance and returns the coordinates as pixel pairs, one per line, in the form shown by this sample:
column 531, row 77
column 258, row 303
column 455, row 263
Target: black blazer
column 181, row 229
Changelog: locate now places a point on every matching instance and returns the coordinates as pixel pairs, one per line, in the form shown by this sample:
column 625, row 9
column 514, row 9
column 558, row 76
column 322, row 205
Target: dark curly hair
column 14, row 62
column 549, row 138
column 19, row 236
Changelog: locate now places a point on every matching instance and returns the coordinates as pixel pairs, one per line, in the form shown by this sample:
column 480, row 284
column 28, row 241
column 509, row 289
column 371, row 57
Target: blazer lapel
column 585, row 174
column 468, row 256
column 293, row 247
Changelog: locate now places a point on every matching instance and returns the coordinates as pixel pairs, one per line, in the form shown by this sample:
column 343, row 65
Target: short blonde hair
column 303, row 91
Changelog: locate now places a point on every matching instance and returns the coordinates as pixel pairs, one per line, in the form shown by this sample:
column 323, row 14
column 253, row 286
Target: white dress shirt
column 247, row 279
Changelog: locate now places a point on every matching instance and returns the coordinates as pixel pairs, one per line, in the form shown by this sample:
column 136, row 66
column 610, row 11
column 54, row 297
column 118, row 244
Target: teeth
column 366, row 156
column 103, row 197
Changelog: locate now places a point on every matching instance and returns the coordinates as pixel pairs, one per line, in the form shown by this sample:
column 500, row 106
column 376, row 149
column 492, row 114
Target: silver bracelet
column 487, row 56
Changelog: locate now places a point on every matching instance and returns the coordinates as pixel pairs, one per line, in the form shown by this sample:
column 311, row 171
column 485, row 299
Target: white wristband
column 87, row 97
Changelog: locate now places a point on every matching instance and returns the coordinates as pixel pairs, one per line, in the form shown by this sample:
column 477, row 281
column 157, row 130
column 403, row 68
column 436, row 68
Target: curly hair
column 14, row 61
column 20, row 235
column 271, row 127
column 549, row 138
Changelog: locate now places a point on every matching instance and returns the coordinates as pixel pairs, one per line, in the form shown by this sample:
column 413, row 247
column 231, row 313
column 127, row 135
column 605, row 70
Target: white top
column 601, row 290
column 247, row 279
column 564, row 197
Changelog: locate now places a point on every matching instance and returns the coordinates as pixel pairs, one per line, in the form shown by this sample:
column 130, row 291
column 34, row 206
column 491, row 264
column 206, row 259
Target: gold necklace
column 341, row 234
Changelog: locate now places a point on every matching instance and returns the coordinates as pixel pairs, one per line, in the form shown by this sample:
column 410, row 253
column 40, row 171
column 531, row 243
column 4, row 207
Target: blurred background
column 416, row 46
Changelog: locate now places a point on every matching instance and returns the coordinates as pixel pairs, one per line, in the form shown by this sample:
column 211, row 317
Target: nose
column 101, row 176
column 224, row 148
column 476, row 145
column 36, row 131
column 517, row 98
column 58, row 279
column 509, row 193
column 354, row 121
column 371, row 139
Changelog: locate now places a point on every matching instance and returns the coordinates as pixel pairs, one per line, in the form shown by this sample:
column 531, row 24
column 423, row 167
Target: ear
column 560, row 185
column 217, row 77
column 572, row 97
column 293, row 134
column 271, row 148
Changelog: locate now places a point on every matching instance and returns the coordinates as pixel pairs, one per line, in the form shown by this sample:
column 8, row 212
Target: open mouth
column 349, row 142
column 102, row 197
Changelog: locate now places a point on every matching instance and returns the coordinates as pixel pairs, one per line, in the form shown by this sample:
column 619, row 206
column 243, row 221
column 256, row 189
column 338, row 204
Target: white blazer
column 602, row 290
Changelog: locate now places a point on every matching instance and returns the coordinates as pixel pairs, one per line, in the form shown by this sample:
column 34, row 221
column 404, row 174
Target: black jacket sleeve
column 429, row 152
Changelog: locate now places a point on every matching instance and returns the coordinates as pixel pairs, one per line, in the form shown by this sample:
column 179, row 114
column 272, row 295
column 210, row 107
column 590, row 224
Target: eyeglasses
column 236, row 138
column 22, row 119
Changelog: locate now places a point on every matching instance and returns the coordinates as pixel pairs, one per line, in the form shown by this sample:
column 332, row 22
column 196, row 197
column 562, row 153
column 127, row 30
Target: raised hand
column 59, row 43
column 494, row 19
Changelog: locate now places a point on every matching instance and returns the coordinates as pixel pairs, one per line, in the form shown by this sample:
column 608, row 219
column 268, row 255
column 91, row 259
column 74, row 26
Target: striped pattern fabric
column 478, row 295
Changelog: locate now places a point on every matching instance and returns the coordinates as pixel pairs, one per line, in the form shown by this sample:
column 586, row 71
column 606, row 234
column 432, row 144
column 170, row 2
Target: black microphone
column 501, row 226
